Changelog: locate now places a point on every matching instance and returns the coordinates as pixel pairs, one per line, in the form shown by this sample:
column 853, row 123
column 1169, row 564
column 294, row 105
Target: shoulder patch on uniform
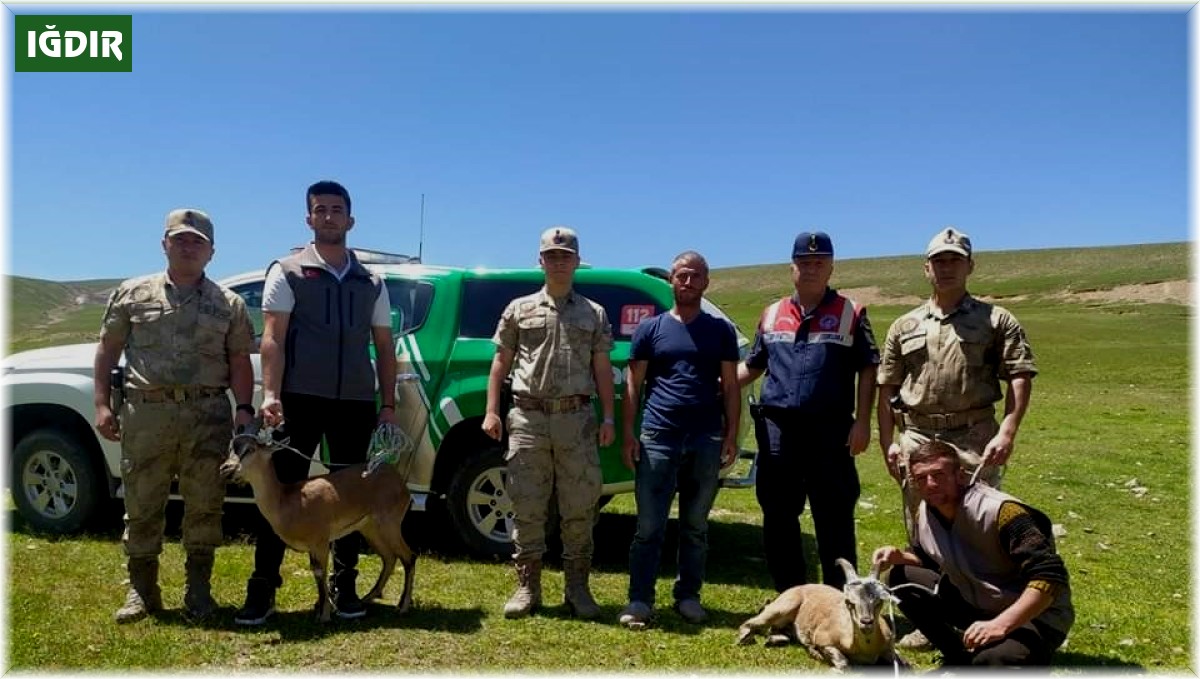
column 908, row 325
column 1008, row 512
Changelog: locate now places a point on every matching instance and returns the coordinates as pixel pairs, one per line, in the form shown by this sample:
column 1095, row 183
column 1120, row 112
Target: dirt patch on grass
column 875, row 295
column 1167, row 292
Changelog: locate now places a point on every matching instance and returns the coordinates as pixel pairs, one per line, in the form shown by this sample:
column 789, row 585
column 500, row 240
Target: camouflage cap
column 560, row 238
column 188, row 220
column 809, row 243
column 949, row 239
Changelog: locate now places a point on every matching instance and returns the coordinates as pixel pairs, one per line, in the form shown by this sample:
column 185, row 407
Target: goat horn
column 851, row 574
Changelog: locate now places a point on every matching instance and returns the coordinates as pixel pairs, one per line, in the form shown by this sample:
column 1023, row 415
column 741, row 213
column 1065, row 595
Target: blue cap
column 812, row 243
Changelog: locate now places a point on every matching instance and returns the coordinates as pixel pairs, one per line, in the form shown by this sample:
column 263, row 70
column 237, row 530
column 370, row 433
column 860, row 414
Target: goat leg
column 370, row 533
column 318, row 560
column 835, row 657
column 776, row 617
column 410, row 565
column 778, row 639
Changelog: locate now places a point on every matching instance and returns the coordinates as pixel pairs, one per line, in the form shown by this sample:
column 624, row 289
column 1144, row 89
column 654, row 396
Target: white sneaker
column 636, row 615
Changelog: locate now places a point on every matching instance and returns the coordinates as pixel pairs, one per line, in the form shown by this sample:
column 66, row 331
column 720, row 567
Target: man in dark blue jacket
column 814, row 418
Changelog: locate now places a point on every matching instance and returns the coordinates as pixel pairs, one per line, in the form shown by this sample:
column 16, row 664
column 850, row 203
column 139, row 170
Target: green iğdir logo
column 74, row 42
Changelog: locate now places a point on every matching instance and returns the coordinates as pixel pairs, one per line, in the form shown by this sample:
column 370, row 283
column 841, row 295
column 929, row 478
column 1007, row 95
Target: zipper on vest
column 341, row 341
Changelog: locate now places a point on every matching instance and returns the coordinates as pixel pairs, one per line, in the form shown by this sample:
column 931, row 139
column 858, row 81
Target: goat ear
column 851, row 574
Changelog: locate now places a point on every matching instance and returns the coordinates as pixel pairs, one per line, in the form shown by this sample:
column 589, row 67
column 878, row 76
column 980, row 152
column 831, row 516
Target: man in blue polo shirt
column 688, row 362
column 814, row 417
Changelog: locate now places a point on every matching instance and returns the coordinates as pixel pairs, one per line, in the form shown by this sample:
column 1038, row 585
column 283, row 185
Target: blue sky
column 650, row 132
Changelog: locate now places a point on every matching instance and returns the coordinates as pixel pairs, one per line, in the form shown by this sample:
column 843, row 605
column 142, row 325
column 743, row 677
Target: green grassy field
column 1110, row 407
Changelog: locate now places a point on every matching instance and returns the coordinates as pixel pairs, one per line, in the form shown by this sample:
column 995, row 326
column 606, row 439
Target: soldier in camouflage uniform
column 559, row 342
column 946, row 360
column 187, row 341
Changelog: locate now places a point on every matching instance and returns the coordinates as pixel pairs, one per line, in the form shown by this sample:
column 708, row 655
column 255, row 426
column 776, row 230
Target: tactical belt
column 945, row 421
column 566, row 404
column 172, row 394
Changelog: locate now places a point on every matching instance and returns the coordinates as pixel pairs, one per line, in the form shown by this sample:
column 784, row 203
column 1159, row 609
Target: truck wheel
column 479, row 506
column 55, row 484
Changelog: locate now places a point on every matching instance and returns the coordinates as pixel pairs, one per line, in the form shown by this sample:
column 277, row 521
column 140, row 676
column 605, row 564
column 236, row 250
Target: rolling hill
column 45, row 313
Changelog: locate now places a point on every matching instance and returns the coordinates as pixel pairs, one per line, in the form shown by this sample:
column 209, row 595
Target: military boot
column 577, row 595
column 529, row 589
column 144, row 595
column 197, row 598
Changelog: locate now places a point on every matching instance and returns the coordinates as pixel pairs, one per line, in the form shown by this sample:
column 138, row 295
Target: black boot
column 346, row 604
column 260, row 602
column 197, row 598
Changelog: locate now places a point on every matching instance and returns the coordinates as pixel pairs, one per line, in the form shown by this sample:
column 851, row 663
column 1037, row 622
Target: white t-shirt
column 278, row 297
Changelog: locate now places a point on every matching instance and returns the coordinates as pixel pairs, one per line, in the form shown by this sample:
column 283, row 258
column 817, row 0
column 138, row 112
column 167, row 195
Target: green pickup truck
column 443, row 319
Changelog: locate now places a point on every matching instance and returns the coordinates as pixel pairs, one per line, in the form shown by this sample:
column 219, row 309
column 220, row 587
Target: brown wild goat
column 308, row 516
column 840, row 628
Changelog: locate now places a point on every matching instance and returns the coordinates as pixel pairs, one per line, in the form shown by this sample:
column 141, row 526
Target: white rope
column 982, row 461
column 263, row 437
column 892, row 601
column 389, row 445
column 895, row 658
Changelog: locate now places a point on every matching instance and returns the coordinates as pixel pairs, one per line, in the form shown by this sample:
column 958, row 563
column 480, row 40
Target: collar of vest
column 307, row 258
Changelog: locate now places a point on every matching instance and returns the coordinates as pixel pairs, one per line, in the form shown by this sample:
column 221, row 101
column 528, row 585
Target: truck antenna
column 421, row 236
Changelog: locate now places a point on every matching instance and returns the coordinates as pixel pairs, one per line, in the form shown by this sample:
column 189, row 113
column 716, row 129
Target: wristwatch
column 245, row 408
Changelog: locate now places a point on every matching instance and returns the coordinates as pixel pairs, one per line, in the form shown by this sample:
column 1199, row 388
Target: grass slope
column 46, row 313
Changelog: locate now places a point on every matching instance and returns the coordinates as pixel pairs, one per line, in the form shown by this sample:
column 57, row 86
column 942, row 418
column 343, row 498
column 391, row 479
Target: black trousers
column 347, row 427
column 943, row 619
column 806, row 460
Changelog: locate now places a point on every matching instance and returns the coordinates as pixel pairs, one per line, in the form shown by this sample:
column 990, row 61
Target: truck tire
column 478, row 504
column 56, row 485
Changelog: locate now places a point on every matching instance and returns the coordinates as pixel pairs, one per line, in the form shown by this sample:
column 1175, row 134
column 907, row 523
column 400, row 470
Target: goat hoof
column 778, row 640
column 745, row 638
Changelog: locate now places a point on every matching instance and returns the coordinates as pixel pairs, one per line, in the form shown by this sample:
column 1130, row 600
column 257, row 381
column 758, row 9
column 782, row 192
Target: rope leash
column 982, row 461
column 389, row 444
column 892, row 601
column 895, row 658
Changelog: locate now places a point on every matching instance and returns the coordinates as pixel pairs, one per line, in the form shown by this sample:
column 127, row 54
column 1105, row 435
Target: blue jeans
column 673, row 460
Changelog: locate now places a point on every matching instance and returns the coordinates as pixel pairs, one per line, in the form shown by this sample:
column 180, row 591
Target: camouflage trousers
column 969, row 441
column 553, row 454
column 160, row 441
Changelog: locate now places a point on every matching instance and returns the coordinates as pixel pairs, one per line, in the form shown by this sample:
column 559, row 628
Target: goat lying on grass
column 840, row 628
column 308, row 516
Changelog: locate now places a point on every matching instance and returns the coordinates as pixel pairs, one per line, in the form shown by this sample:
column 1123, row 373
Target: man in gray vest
column 322, row 310
column 991, row 589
